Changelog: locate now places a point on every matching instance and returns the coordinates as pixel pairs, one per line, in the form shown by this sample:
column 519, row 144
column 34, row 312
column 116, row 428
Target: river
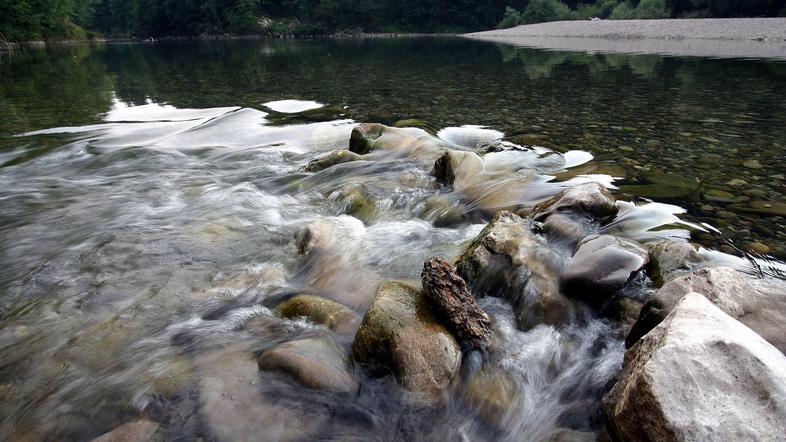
column 149, row 196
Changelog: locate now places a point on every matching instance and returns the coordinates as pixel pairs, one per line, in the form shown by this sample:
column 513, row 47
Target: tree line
column 79, row 19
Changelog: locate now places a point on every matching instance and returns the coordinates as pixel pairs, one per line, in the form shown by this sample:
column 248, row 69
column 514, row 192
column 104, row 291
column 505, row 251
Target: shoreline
column 722, row 37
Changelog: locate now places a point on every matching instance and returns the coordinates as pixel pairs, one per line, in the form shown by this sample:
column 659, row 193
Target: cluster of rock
column 704, row 355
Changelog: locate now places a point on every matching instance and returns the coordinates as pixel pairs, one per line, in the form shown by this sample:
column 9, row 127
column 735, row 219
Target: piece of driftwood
column 452, row 300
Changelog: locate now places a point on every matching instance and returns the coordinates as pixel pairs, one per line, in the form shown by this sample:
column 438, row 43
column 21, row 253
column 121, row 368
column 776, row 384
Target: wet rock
column 409, row 141
column 331, row 159
column 317, row 363
column 138, row 431
column 624, row 309
column 411, row 122
column 400, row 332
column 173, row 377
column 357, row 202
column 602, row 265
column 442, row 212
column 753, row 164
column 688, row 184
column 568, row 435
column 490, row 392
column 658, row 191
column 233, row 406
column 590, row 199
column 762, row 208
column 671, row 259
column 451, row 298
column 758, row 303
column 593, row 168
column 700, row 375
column 458, row 168
column 331, row 314
column 510, row 260
column 566, row 229
column 758, row 247
column 719, row 196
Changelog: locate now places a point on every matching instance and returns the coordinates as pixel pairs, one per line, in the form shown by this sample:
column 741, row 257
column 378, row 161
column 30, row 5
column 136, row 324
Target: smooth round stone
column 758, row 247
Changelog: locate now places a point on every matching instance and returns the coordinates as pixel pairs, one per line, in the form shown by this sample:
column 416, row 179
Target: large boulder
column 329, row 313
column 509, row 259
column 758, row 303
column 700, row 375
column 601, row 266
column 400, row 332
column 406, row 141
column 315, row 362
column 591, row 199
column 671, row 259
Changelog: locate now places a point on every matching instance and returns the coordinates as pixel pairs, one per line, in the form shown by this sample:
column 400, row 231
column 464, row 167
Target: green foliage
column 67, row 19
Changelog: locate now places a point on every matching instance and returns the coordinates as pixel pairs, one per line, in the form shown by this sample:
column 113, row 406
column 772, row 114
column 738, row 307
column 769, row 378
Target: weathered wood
column 452, row 300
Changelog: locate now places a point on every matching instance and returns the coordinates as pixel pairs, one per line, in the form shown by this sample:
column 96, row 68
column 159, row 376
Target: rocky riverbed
column 566, row 315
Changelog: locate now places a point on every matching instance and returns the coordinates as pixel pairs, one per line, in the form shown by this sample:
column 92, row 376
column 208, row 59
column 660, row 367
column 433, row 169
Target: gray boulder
column 509, row 259
column 317, row 363
column 400, row 332
column 602, row 265
column 671, row 259
column 758, row 303
column 699, row 376
column 591, row 199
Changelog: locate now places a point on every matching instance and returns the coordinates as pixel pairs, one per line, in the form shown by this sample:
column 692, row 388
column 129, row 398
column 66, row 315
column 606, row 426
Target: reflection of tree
column 53, row 87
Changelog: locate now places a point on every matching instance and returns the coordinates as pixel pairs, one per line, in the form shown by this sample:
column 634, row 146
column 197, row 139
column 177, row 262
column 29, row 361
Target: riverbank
column 728, row 37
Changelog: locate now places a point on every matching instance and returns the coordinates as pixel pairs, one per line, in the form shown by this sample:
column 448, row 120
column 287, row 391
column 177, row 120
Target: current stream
column 147, row 223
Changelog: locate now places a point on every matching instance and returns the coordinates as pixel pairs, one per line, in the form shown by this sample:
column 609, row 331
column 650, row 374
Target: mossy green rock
column 490, row 392
column 400, row 332
column 320, row 310
column 358, row 203
column 442, row 212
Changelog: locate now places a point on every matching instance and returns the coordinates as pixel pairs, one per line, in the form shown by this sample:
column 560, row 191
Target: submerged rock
column 590, row 199
column 399, row 332
column 357, row 202
column 315, row 362
column 509, row 260
column 331, row 159
column 443, row 212
column 602, row 265
column 671, row 259
column 566, row 229
column 458, row 167
column 138, row 431
column 453, row 301
column 700, row 375
column 759, row 304
column 320, row 310
column 490, row 392
column 407, row 141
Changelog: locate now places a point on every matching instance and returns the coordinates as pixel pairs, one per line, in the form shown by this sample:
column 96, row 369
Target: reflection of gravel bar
column 732, row 37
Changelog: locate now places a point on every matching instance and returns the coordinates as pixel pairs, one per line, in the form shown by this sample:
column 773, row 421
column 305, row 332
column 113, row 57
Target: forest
column 81, row 19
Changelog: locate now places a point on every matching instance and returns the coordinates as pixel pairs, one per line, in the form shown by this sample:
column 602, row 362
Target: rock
column 458, row 168
column 624, row 309
column 762, row 208
column 566, row 229
column 758, row 247
column 331, row 159
column 568, row 435
column 671, row 259
column 602, row 265
column 592, row 168
column 758, row 303
column 509, row 260
column 590, row 199
column 688, row 184
column 400, row 332
column 317, row 363
column 234, row 406
column 658, row 191
column 442, row 212
column 357, row 202
column 138, row 431
column 700, row 375
column 331, row 314
column 451, row 298
column 491, row 393
column 719, row 196
column 752, row 164
column 409, row 141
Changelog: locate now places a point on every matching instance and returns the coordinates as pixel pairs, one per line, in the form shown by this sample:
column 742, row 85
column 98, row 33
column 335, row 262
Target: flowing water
column 149, row 197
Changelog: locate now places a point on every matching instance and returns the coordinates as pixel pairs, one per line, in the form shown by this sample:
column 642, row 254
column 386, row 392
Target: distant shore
column 721, row 37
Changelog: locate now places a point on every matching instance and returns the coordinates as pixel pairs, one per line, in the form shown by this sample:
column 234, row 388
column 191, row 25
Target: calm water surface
column 149, row 196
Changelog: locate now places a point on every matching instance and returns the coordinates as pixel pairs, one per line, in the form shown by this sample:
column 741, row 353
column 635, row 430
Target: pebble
column 752, row 164
column 758, row 247
column 737, row 182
